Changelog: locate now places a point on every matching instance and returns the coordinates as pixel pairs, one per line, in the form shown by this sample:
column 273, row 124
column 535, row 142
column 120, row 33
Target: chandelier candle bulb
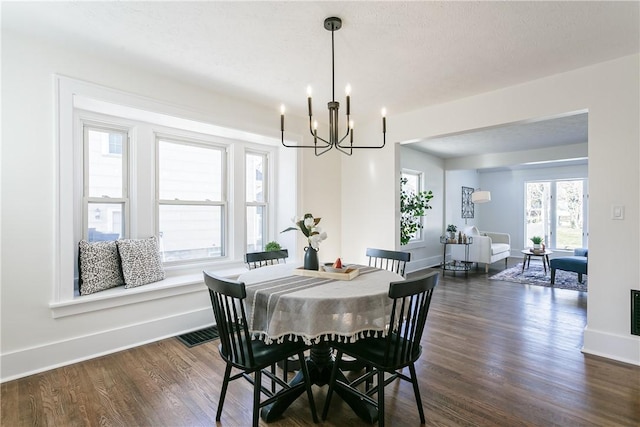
column 348, row 91
column 351, row 130
column 384, row 120
column 315, row 131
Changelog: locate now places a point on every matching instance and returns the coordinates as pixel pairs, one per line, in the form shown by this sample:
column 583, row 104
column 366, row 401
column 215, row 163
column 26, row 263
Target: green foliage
column 272, row 246
column 412, row 207
column 451, row 228
column 536, row 240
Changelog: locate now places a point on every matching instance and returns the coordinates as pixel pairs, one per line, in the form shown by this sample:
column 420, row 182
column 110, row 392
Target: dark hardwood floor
column 495, row 354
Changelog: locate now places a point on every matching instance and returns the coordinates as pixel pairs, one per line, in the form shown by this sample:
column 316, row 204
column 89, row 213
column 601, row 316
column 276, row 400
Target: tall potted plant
column 413, row 206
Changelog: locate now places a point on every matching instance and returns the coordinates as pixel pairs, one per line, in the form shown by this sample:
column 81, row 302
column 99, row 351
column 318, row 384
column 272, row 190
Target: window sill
column 119, row 296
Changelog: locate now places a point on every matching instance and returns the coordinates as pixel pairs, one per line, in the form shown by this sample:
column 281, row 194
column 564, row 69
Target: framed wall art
column 467, row 204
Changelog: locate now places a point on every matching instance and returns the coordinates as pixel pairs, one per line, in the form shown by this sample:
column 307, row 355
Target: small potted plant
column 272, row 246
column 536, row 240
column 451, row 229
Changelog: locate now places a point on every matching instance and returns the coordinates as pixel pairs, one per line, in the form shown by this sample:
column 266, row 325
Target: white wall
column 370, row 196
column 427, row 252
column 609, row 91
column 455, row 180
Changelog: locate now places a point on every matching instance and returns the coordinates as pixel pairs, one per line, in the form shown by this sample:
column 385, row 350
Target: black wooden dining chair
column 261, row 259
column 240, row 351
column 395, row 261
column 398, row 349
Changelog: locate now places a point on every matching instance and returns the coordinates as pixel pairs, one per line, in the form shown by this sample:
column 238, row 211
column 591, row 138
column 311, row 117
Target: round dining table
column 285, row 303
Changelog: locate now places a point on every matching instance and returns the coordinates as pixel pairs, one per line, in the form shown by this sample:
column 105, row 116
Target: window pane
column 568, row 214
column 105, row 221
column 188, row 172
column 410, row 188
column 104, row 149
column 254, row 169
column 413, row 182
column 538, row 200
column 190, row 232
column 255, row 228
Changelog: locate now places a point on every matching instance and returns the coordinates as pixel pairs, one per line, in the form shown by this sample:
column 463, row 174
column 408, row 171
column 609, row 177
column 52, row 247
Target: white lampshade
column 481, row 196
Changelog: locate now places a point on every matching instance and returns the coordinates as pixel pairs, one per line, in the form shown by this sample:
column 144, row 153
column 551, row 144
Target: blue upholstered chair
column 576, row 263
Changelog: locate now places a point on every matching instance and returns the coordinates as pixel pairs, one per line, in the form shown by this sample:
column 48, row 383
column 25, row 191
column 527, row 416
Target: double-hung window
column 256, row 193
column 105, row 190
column 191, row 200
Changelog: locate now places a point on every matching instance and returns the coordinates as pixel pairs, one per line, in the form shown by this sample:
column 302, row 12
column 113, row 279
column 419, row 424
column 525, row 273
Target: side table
column 453, row 265
column 528, row 253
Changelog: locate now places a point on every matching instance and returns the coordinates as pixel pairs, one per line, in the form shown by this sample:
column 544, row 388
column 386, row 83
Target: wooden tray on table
column 349, row 273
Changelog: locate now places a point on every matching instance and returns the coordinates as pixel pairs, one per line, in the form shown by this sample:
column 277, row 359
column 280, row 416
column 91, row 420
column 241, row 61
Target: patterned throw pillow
column 141, row 263
column 99, row 266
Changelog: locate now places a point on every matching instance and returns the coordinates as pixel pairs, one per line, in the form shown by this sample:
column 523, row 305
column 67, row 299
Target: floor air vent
column 635, row 312
column 199, row 337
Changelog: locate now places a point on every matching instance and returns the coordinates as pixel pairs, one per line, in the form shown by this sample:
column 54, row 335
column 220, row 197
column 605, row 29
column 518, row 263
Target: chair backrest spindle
column 395, row 261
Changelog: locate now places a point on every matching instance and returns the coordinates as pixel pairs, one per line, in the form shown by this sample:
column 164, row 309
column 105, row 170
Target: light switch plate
column 617, row 212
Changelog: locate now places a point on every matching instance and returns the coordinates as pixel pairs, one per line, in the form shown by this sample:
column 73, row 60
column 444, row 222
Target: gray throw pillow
column 99, row 266
column 141, row 263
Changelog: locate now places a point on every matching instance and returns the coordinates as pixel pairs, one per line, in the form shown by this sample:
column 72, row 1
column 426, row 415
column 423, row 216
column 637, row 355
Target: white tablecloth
column 283, row 305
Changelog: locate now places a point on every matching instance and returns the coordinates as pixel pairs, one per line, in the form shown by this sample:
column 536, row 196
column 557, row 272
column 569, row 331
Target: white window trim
column 72, row 94
column 420, row 241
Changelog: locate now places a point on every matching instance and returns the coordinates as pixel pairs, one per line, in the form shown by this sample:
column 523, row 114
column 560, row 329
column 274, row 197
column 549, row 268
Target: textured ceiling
column 566, row 130
column 400, row 55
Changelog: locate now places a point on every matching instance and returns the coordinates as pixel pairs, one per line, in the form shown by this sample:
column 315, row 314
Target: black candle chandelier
column 321, row 145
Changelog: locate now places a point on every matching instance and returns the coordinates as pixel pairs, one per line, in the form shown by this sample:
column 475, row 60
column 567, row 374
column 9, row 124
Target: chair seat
column 498, row 248
column 265, row 354
column 373, row 351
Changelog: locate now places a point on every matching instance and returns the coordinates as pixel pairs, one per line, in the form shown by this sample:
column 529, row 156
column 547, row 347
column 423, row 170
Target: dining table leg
column 320, row 362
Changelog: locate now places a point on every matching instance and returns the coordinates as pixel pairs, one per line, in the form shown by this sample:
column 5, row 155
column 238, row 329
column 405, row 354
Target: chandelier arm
column 326, row 149
column 305, row 146
column 384, row 141
column 342, row 150
column 328, row 144
column 342, row 139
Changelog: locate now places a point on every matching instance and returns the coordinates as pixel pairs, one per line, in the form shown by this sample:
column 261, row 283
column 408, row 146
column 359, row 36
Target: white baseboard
column 421, row 264
column 612, row 346
column 25, row 362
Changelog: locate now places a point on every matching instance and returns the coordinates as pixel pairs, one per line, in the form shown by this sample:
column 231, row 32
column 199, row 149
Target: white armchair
column 487, row 247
